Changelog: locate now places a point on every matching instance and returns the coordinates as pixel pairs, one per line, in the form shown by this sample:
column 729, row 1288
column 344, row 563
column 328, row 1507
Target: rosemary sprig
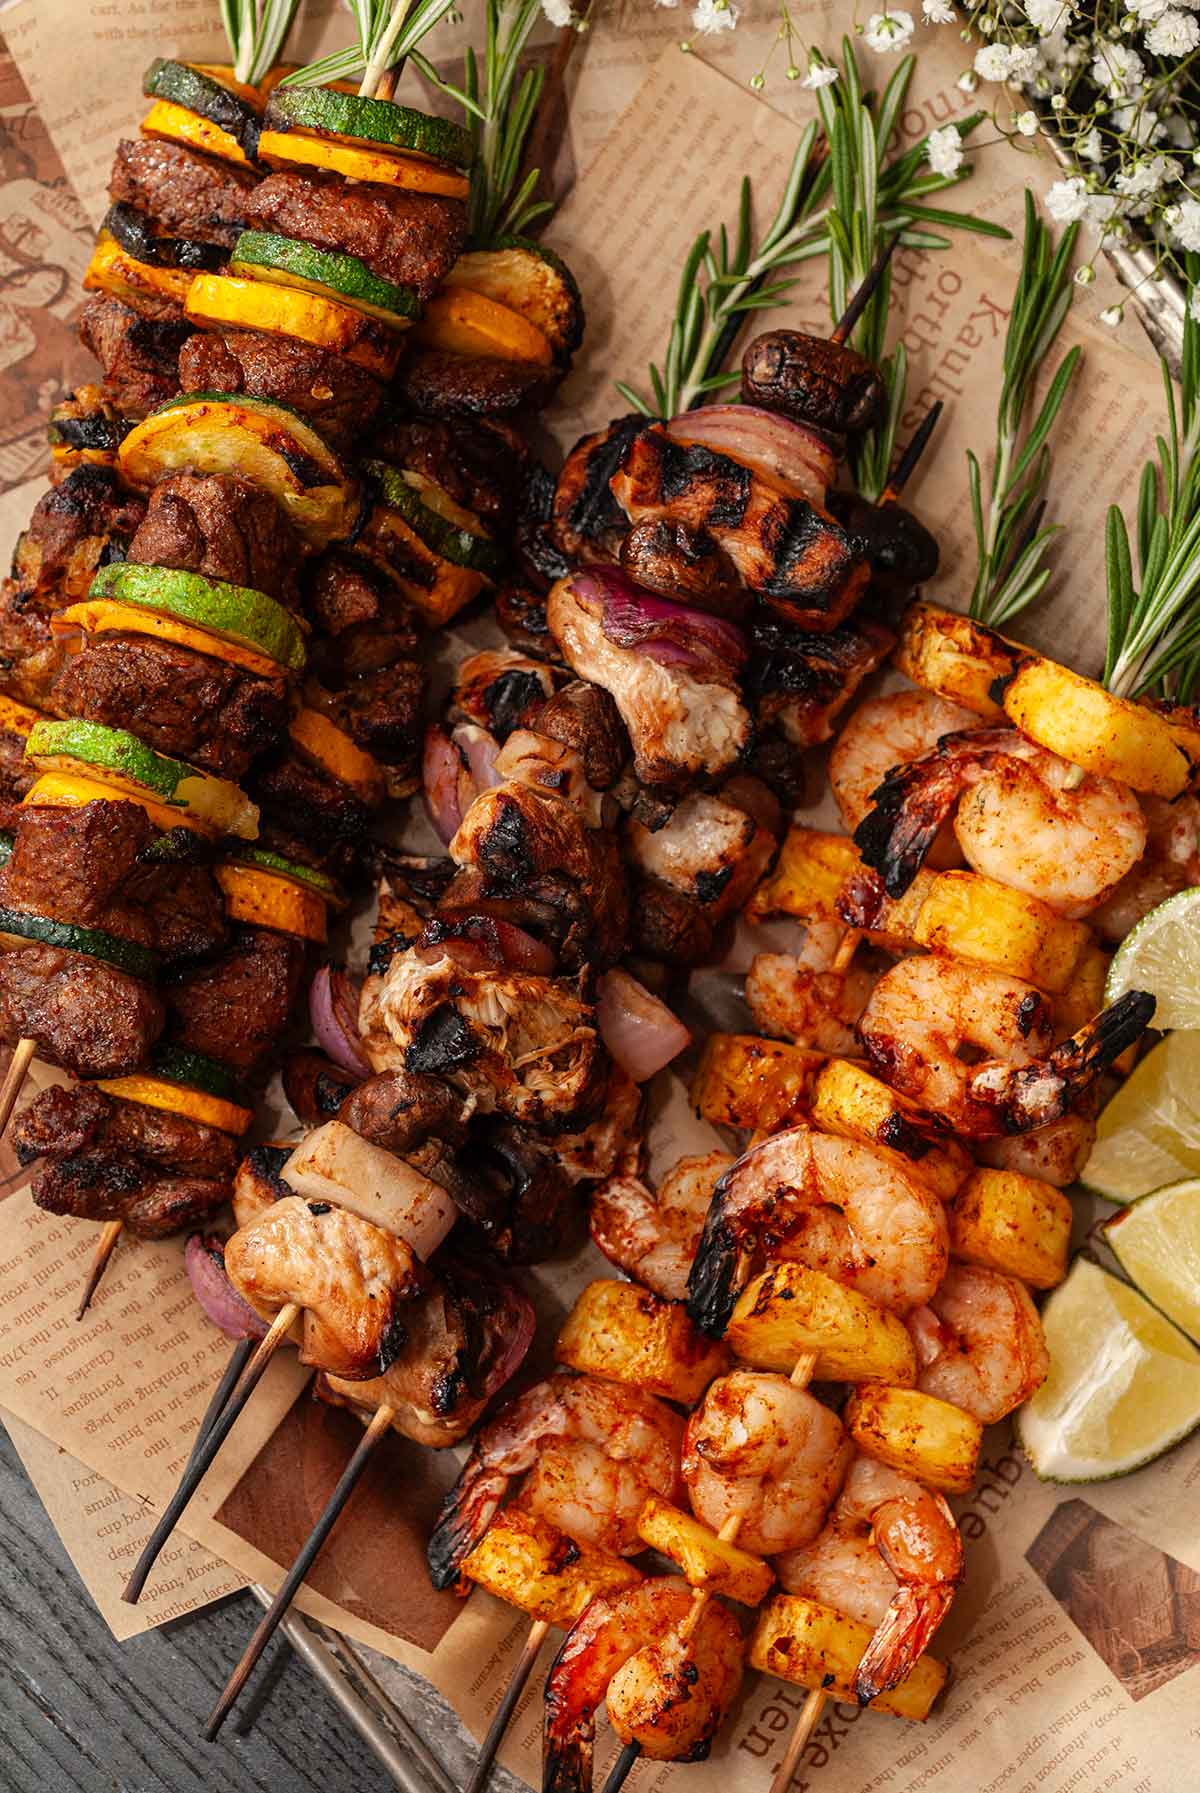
column 256, row 30
column 389, row 32
column 502, row 110
column 1154, row 628
column 1012, row 566
column 722, row 280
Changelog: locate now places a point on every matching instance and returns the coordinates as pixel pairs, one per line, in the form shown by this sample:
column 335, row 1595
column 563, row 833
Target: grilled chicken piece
column 356, row 1283
column 790, row 553
column 500, row 690
column 711, row 851
column 596, row 1151
column 680, row 726
column 257, row 1184
column 801, row 681
column 541, row 559
column 813, row 379
column 586, row 522
column 521, row 613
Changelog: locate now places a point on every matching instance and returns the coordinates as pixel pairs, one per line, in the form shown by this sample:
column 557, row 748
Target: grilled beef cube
column 84, row 1015
column 521, row 613
column 338, row 398
column 188, row 704
column 366, row 625
column 800, row 681
column 184, row 906
column 235, row 1008
column 586, row 521
column 16, row 772
column 440, row 384
column 412, row 239
column 310, row 802
column 75, row 527
column 30, row 657
column 340, row 859
column 585, row 718
column 315, row 1087
column 187, row 194
column 222, row 526
column 381, row 712
column 139, row 354
column 74, row 864
column 478, row 464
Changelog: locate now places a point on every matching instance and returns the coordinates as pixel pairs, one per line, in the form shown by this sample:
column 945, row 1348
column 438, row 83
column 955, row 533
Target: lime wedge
column 1124, row 1384
column 1149, row 1134
column 1156, row 1241
column 1162, row 955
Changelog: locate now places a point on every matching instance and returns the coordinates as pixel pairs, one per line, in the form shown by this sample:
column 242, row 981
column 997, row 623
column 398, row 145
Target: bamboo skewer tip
column 806, row 1724
column 110, row 1233
column 14, row 1078
column 522, row 1670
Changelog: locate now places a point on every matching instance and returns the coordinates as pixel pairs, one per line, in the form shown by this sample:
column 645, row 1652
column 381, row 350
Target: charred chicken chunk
column 586, row 522
column 711, row 851
column 801, row 681
column 501, row 690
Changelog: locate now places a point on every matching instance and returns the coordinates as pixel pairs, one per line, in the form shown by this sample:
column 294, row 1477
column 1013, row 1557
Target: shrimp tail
column 566, row 1751
column 906, row 1627
column 715, row 1278
column 895, row 835
column 467, row 1511
column 1033, row 1095
column 1087, row 1053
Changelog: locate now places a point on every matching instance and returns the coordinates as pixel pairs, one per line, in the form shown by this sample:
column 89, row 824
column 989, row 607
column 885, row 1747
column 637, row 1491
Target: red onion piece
column 485, row 943
column 791, row 457
column 640, row 1031
column 441, row 769
column 672, row 634
column 333, row 1011
column 204, row 1261
column 481, row 749
column 515, row 1325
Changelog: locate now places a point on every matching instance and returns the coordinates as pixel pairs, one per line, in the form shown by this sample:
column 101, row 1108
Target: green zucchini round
column 259, row 254
column 43, row 930
column 440, row 536
column 328, row 113
column 236, row 611
column 187, row 86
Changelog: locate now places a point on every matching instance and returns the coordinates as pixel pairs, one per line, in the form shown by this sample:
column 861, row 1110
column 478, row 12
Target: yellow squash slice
column 178, row 1098
column 225, row 302
column 469, row 323
column 262, row 900
column 332, row 749
column 289, row 148
column 113, row 270
column 179, row 125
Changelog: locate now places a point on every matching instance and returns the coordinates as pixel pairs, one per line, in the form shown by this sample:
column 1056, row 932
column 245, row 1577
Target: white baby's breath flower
column 1023, row 61
column 1111, row 316
column 558, row 12
column 992, row 62
column 1194, row 304
column 944, row 150
column 714, row 15
column 820, row 74
column 968, row 81
column 888, row 30
column 1047, row 15
column 1067, row 201
column 1147, row 10
column 1183, row 222
column 1089, row 147
column 1173, row 35
column 1086, row 275
column 1100, row 209
column 1026, row 123
column 1145, row 178
column 937, row 12
column 1118, row 68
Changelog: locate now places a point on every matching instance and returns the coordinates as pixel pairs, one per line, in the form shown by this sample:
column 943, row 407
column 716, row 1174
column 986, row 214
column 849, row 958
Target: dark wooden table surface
column 80, row 1713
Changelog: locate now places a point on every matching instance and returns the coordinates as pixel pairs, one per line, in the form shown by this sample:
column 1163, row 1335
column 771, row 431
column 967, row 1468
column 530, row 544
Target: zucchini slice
column 179, row 1064
column 19, row 929
column 176, row 1098
column 530, row 280
column 378, row 123
column 101, row 616
column 333, row 750
column 258, row 255
column 115, row 757
column 265, row 442
column 236, row 612
column 220, row 301
column 262, row 900
column 135, row 233
column 195, row 88
column 287, row 149
column 176, row 124
column 113, row 270
column 446, row 528
column 435, row 587
column 465, row 322
column 307, row 875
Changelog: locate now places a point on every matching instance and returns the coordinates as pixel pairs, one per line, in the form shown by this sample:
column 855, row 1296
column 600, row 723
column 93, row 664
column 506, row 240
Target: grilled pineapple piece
column 808, row 877
column 1009, row 1222
column 789, row 1310
column 814, row 1646
column 959, row 659
column 760, row 1085
column 1106, row 735
column 848, row 1101
column 972, row 917
column 621, row 1331
column 707, row 1561
column 532, row 1565
column 930, row 1440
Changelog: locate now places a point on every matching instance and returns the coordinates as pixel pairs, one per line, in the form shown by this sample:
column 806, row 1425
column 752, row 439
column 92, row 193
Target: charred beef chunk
column 381, row 712
column 813, row 379
column 587, row 523
column 400, row 1110
column 440, row 384
column 222, row 526
column 310, row 802
column 30, row 657
column 139, row 354
column 315, row 1087
column 75, row 527
column 800, row 680
column 16, row 772
column 236, row 1007
column 585, row 718
column 478, row 464
column 180, row 702
column 521, row 613
column 341, row 859
column 85, row 1015
column 184, row 906
column 74, row 865
column 338, row 398
column 519, row 1198
column 187, row 194
column 413, row 239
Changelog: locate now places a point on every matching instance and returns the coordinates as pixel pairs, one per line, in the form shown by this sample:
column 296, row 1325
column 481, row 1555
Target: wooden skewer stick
column 851, row 941
column 907, row 464
column 207, row 1447
column 508, row 1705
column 861, row 298
column 265, row 1630
column 623, row 1767
column 229, row 1375
column 14, row 1077
column 806, row 1724
column 110, row 1232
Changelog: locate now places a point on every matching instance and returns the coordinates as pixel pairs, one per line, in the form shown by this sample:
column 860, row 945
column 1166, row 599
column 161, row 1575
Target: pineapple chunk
column 621, row 1331
column 1009, row 1222
column 1082, row 997
column 707, row 1561
column 972, row 917
column 959, row 659
column 532, row 1565
column 1106, row 735
column 808, row 877
column 848, row 1101
column 813, row 1646
column 789, row 1310
column 916, row 1434
column 761, row 1085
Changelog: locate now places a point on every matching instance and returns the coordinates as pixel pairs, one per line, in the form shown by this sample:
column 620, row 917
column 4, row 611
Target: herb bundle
column 389, row 33
column 257, row 30
column 1010, row 540
column 501, row 111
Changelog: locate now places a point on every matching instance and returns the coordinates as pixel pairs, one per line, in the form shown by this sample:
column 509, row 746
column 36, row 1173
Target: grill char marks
column 138, row 351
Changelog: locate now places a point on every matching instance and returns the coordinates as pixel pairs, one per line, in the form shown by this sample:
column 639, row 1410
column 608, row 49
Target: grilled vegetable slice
column 530, row 280
column 264, row 442
column 113, row 270
column 707, row 1561
column 326, row 112
column 226, row 104
column 958, row 659
column 814, row 1646
column 197, row 1105
column 619, row 1331
column 286, row 149
column 528, row 1563
column 260, row 255
column 177, row 124
column 222, row 301
column 262, row 900
column 1013, row 1223
column 789, row 1310
column 17, row 719
column 236, row 612
column 19, row 929
column 99, row 616
column 743, row 1081
column 1106, row 735
column 468, row 323
column 809, row 876
column 120, row 759
column 92, row 437
column 136, row 234
column 70, row 790
column 306, row 875
column 973, row 917
column 332, row 749
column 436, row 587
column 916, row 1434
column 333, row 1164
column 848, row 1101
column 445, row 527
column 180, row 1065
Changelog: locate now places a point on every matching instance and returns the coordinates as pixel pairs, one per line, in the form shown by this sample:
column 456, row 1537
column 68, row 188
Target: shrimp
column 1170, row 862
column 891, row 1557
column 808, row 997
column 980, row 1343
column 886, row 732
column 596, row 1450
column 665, row 1693
column 653, row 1238
column 834, row 1204
column 977, row 1048
column 1056, row 1152
column 1024, row 817
column 759, row 1450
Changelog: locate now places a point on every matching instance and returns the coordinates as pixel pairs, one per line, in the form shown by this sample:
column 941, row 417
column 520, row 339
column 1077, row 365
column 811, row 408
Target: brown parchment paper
column 1076, row 1636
